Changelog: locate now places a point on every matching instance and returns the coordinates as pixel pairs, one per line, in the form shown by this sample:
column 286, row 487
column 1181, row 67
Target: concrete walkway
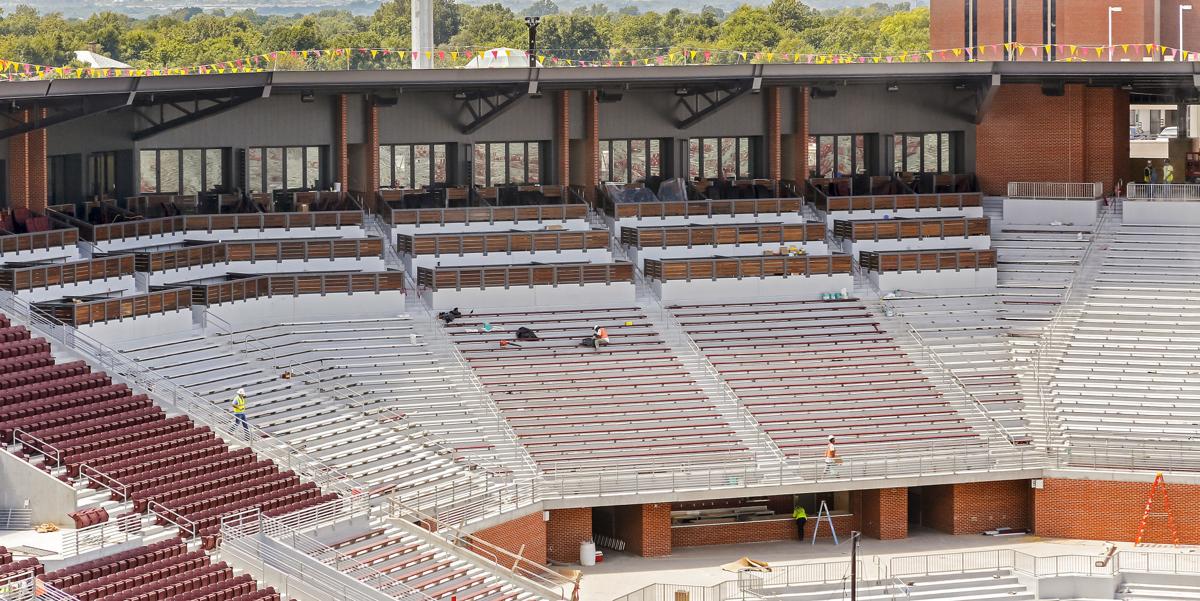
column 622, row 573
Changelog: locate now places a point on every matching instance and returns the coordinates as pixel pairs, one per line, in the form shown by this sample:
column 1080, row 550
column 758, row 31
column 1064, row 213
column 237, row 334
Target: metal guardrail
column 111, row 532
column 503, row 559
column 1041, row 567
column 723, row 591
column 116, row 363
column 1056, row 190
column 238, row 527
column 103, row 480
column 1164, row 192
column 25, row 586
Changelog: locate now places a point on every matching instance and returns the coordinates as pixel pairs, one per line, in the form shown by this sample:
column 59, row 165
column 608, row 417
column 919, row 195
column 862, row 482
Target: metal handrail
column 104, row 480
column 49, row 451
column 1049, row 333
column 1164, row 192
column 183, row 400
column 254, row 522
column 962, row 386
column 82, row 540
column 1056, row 190
column 303, row 369
column 521, row 566
column 727, row 392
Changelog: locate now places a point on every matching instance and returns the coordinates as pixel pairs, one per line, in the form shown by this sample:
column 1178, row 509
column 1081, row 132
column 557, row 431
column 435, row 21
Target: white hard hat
column 242, row 392
column 830, row 437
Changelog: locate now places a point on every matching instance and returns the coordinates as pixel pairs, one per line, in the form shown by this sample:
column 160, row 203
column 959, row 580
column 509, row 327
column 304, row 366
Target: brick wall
column 1086, row 22
column 372, row 151
column 565, row 530
column 946, row 25
column 800, row 140
column 1027, row 136
column 562, row 142
column 342, row 148
column 524, row 536
column 991, row 24
column 774, row 134
column 1030, row 29
column 885, row 513
column 1110, row 510
column 646, row 529
column 974, row 507
column 758, row 531
column 27, row 185
column 1170, row 25
column 591, row 134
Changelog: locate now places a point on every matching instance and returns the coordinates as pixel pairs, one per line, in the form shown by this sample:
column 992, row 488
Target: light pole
column 1182, row 7
column 1111, row 10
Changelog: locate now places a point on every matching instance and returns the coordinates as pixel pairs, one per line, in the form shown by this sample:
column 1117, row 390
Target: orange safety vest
column 602, row 334
column 830, row 451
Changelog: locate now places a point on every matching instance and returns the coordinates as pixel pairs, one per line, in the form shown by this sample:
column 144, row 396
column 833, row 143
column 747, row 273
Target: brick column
column 562, row 142
column 342, row 149
column 774, row 134
column 372, row 151
column 800, row 153
column 27, row 185
column 565, row 530
column 885, row 513
column 591, row 133
column 646, row 529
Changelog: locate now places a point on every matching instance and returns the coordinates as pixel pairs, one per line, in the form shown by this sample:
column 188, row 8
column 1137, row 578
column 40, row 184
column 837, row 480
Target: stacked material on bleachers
column 811, row 369
column 579, row 407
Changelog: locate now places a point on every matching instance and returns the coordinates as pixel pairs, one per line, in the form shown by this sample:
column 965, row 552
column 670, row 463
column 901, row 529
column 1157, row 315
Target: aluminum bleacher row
column 345, row 404
column 1126, row 379
column 811, row 369
column 577, row 407
column 407, row 564
column 63, row 416
column 163, row 570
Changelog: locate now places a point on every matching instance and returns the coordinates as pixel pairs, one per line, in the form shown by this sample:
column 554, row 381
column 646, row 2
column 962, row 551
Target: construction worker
column 831, row 458
column 801, row 516
column 600, row 336
column 239, row 411
column 1148, row 172
column 1168, row 173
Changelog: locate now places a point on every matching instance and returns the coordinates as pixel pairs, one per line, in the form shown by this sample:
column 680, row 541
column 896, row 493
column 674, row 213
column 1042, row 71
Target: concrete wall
column 279, row 309
column 1025, row 211
column 945, row 280
column 750, row 289
column 1144, row 212
column 567, row 295
column 49, row 498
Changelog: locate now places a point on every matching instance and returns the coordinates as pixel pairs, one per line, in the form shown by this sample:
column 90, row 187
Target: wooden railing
column 708, row 208
column 927, row 260
column 100, row 310
column 535, row 213
column 898, row 202
column 712, row 235
column 457, row 278
column 295, row 285
column 746, row 267
column 12, row 243
column 501, row 242
column 896, row 229
column 59, row 274
column 270, row 250
column 238, row 221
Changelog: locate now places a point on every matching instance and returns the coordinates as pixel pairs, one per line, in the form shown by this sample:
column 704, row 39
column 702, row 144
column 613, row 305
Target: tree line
column 192, row 36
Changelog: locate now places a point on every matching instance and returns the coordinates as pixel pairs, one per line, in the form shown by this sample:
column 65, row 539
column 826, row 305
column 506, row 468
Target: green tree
column 792, row 15
column 490, row 26
column 574, row 37
column 905, row 31
column 750, row 29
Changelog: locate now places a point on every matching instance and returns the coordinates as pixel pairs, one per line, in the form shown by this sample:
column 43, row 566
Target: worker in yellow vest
column 801, row 517
column 239, row 411
column 1168, row 173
